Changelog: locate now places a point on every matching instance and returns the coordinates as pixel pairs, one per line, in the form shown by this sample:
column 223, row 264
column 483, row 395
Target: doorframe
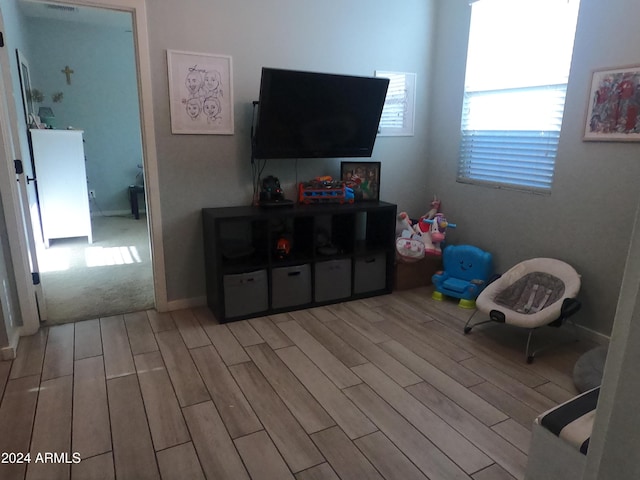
column 137, row 9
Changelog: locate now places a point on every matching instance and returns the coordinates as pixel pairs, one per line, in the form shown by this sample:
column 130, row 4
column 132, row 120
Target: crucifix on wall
column 67, row 71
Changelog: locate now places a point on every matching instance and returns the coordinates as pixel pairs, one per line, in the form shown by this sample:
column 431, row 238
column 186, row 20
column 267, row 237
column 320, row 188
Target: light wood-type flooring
column 382, row 388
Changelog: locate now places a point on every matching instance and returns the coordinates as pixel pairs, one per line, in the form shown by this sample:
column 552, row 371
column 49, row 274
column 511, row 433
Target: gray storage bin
column 370, row 273
column 245, row 293
column 333, row 280
column 290, row 286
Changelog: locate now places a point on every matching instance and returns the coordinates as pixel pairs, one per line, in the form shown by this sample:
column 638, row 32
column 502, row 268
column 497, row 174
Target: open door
column 16, row 204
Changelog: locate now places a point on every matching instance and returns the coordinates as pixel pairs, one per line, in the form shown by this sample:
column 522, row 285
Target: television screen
column 317, row 115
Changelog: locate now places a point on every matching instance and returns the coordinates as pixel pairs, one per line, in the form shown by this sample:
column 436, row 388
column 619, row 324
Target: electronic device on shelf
column 271, row 193
column 317, row 115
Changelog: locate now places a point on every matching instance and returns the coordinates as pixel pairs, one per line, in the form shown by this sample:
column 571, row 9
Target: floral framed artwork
column 613, row 112
column 200, row 93
column 363, row 177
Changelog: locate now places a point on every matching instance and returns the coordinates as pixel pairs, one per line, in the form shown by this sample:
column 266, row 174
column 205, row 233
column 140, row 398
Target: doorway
column 91, row 69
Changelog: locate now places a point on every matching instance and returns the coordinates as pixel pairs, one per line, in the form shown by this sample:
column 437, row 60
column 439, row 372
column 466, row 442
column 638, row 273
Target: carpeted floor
column 112, row 275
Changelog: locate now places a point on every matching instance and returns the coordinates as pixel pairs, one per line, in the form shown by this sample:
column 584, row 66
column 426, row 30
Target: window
column 517, row 69
column 398, row 113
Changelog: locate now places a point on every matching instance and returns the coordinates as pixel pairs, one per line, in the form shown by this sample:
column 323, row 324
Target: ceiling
column 74, row 13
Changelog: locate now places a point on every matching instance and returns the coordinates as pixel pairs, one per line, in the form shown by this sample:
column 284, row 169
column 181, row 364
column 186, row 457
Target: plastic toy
column 435, row 208
column 433, row 232
column 404, row 226
column 324, row 190
column 409, row 250
column 466, row 272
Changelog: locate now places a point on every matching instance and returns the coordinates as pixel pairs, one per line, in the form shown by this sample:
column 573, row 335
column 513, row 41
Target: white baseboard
column 597, row 337
column 186, row 303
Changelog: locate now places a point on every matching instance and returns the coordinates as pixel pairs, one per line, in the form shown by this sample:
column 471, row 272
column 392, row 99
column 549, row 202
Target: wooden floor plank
column 364, row 326
column 476, row 405
column 525, row 394
column 389, row 461
column 376, row 355
column 58, row 357
column 332, row 342
column 323, row 358
column 29, row 355
column 319, row 472
column 511, row 406
column 300, row 402
column 180, row 462
column 140, row 334
column 515, row 433
column 91, row 427
column 190, row 329
column 262, row 458
column 434, row 357
column 556, row 393
column 494, row 472
column 5, row 369
column 160, row 321
column 52, row 428
column 88, row 342
column 183, row 373
column 94, row 468
column 245, row 333
column 231, row 403
column 500, row 450
column 344, row 456
column 132, row 447
column 342, row 410
column 289, row 437
column 161, row 405
column 226, row 344
column 17, row 413
column 218, row 456
column 270, row 333
column 118, row 360
column 466, row 455
column 424, row 454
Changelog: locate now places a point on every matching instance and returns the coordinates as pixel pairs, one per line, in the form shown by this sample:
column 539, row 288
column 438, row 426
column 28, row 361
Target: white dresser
column 61, row 178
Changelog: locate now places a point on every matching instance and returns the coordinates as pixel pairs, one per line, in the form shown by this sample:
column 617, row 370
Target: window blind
column 515, row 92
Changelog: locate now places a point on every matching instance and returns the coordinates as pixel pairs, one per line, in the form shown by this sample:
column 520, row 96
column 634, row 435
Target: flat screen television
column 317, row 115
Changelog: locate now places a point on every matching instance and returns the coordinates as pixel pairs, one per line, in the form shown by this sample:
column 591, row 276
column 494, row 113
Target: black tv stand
column 276, row 203
column 338, row 253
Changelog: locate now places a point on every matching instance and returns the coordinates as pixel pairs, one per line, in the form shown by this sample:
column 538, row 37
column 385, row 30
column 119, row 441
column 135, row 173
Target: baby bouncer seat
column 531, row 294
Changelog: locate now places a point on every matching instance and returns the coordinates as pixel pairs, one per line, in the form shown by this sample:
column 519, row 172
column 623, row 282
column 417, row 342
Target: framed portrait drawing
column 200, row 93
column 363, row 177
column 613, row 113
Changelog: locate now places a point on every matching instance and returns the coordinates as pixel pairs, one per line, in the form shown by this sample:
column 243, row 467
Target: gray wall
column 355, row 37
column 588, row 217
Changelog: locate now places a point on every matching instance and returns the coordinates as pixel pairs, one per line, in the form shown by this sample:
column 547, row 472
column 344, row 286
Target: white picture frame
column 200, row 93
column 398, row 113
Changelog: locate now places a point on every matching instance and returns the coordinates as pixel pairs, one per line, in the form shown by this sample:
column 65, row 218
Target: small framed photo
column 200, row 93
column 613, row 113
column 363, row 177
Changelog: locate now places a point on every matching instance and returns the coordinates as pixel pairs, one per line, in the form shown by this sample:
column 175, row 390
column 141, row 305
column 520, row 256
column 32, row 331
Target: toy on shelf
column 467, row 270
column 324, row 190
